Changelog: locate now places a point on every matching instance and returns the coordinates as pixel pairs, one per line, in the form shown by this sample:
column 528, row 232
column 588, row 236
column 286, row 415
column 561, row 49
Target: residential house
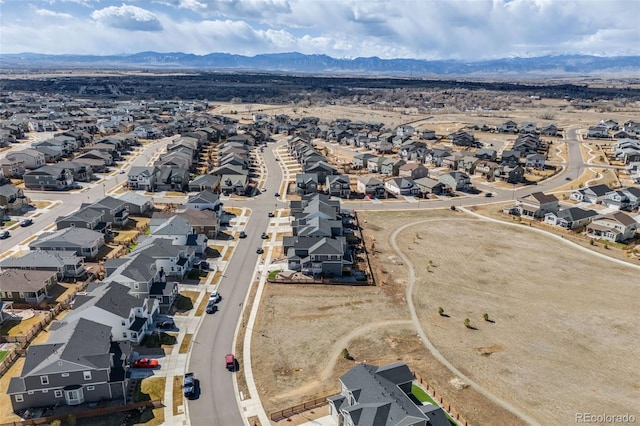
column 571, row 218
column 316, row 256
column 510, row 158
column 12, row 199
column 86, row 218
column 535, row 160
column 615, row 227
column 170, row 178
column 468, row 164
column 204, row 200
column 202, row 223
column 360, row 161
column 322, row 169
column 391, row 166
column 632, row 194
column 413, row 170
column 234, row 184
column 83, row 242
column 12, row 167
column 338, row 186
column 51, row 155
column 462, row 138
column 32, row 159
column 550, row 130
column 488, row 169
column 591, row 194
column 616, row 199
column 78, row 363
column 370, row 186
column 511, row 174
column 206, row 182
column 179, row 229
column 114, row 209
column 405, row 130
column 486, row 154
column 26, row 286
column 307, row 183
column 80, row 172
column 373, row 395
column 509, row 126
column 456, row 181
column 537, row 205
column 428, row 186
column 401, row 186
column 428, row 134
column 129, row 317
column 48, row 178
column 527, row 127
column 597, row 132
column 137, row 204
column 66, row 265
column 142, row 178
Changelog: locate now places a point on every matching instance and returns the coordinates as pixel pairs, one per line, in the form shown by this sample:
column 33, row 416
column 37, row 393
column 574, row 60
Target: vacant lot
column 564, row 331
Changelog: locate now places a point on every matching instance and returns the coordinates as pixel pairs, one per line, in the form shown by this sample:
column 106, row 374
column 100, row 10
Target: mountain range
column 561, row 65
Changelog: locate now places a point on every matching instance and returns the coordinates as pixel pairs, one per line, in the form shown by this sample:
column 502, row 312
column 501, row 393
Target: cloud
column 127, row 17
column 51, row 13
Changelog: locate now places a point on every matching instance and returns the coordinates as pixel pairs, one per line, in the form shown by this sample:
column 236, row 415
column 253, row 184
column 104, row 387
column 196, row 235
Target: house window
column 87, row 375
column 65, row 374
column 124, row 334
column 19, row 398
column 57, row 393
column 44, row 380
column 21, row 295
column 123, row 322
column 90, row 388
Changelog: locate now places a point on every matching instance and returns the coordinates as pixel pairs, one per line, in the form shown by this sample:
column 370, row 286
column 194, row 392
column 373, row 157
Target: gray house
column 48, row 178
column 83, row 242
column 114, row 209
column 537, row 205
column 338, row 186
column 456, row 181
column 306, row 183
column 78, row 363
column 382, row 396
column 316, row 256
column 86, row 218
column 30, row 286
column 138, row 204
column 571, row 218
column 66, row 265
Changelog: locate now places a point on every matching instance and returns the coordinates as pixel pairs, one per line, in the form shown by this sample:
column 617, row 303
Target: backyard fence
column 444, row 404
column 94, row 412
column 297, row 409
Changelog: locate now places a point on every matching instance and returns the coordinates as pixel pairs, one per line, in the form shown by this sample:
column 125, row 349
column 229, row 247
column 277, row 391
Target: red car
column 230, row 362
column 145, row 363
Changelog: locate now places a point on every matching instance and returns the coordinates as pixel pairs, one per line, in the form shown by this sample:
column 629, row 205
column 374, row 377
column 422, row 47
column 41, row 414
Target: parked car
column 277, row 194
column 189, row 385
column 214, row 297
column 264, row 236
column 271, row 214
column 201, row 264
column 243, row 234
column 212, row 308
column 166, row 324
column 4, row 234
column 230, row 362
column 259, row 250
column 145, row 363
column 26, row 222
column 489, row 194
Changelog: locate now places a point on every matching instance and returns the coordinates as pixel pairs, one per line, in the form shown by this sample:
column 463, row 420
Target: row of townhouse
column 615, row 227
column 607, row 129
column 319, row 245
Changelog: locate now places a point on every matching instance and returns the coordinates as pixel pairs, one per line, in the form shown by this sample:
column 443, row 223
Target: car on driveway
column 277, row 194
column 230, row 362
column 271, row 214
column 264, row 236
column 202, row 265
column 214, row 297
column 260, row 250
column 243, row 234
column 4, row 234
column 26, row 222
column 167, row 324
column 189, row 385
column 145, row 363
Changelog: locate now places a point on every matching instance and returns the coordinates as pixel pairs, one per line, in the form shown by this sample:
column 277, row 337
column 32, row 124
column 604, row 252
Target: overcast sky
column 420, row 29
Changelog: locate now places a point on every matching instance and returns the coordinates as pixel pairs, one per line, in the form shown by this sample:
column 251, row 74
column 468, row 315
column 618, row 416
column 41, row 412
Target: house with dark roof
column 129, row 317
column 206, row 182
column 428, row 186
column 115, row 210
column 86, row 218
column 307, row 183
column 137, row 204
column 26, row 286
column 571, row 218
column 78, row 363
column 12, row 198
column 204, row 200
column 83, row 242
column 65, row 264
column 47, row 178
column 142, row 177
column 614, row 227
column 370, row 186
column 338, row 186
column 537, row 205
column 456, row 181
column 382, row 396
column 401, row 186
column 591, row 194
column 315, row 256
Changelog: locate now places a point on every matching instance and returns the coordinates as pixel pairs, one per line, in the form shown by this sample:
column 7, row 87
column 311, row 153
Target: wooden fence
column 444, row 404
column 297, row 409
column 23, row 341
column 94, row 412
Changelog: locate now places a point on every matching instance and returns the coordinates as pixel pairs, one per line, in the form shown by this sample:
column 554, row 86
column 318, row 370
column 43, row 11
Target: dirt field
column 556, row 309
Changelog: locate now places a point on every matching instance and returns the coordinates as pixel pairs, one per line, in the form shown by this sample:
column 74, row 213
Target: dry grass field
column 561, row 339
